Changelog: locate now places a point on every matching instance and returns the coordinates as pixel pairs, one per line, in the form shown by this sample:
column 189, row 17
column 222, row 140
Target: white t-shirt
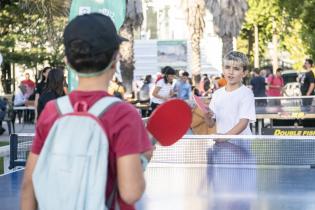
column 164, row 91
column 230, row 107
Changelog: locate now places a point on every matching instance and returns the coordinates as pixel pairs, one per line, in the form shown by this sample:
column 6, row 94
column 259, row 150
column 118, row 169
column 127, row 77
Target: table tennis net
column 241, row 150
column 20, row 145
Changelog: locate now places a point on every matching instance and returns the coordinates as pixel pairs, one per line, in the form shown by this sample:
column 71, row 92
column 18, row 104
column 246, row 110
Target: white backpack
column 71, row 171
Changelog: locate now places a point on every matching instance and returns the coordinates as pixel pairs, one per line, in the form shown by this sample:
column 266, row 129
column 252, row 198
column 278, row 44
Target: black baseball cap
column 96, row 29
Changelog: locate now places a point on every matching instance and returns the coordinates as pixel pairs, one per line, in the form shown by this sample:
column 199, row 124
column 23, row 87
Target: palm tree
column 133, row 20
column 195, row 12
column 228, row 17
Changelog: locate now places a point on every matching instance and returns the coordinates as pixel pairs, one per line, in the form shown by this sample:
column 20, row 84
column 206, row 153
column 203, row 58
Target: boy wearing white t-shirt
column 232, row 107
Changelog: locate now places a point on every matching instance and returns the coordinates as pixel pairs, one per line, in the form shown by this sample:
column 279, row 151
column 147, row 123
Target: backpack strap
column 102, row 105
column 64, row 105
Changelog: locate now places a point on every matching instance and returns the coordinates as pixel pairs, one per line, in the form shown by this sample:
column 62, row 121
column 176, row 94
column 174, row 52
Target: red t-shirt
column 28, row 83
column 275, row 80
column 123, row 125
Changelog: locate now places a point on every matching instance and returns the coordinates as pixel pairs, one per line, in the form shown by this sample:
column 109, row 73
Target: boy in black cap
column 91, row 46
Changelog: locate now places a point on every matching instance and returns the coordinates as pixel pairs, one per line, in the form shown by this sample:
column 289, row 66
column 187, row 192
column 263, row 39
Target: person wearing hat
column 91, row 46
column 163, row 90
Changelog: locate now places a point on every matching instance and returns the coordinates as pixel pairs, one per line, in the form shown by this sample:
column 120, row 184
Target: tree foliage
column 25, row 37
column 304, row 11
column 261, row 13
column 273, row 19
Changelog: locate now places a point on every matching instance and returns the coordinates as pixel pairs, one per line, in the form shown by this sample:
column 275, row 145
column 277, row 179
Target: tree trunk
column 6, row 79
column 256, row 54
column 250, row 43
column 196, row 57
column 227, row 45
column 127, row 57
column 275, row 65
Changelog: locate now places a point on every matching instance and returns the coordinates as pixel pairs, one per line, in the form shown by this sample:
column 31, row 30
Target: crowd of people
column 262, row 82
column 50, row 85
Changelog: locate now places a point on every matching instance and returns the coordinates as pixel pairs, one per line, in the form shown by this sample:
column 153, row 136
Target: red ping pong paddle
column 170, row 121
column 201, row 105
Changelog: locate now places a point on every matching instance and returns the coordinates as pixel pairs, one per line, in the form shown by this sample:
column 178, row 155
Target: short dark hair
column 257, row 70
column 279, row 70
column 310, row 61
column 168, row 71
column 83, row 60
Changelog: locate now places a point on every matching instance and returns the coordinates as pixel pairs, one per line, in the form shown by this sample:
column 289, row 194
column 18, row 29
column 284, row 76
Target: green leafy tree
column 272, row 23
column 26, row 39
column 304, row 10
column 259, row 18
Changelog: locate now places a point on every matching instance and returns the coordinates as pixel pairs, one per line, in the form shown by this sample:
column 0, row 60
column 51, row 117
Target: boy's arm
column 131, row 182
column 28, row 200
column 312, row 85
column 310, row 89
column 238, row 128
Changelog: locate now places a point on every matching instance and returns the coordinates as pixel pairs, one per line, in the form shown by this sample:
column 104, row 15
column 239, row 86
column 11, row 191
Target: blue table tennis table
column 196, row 173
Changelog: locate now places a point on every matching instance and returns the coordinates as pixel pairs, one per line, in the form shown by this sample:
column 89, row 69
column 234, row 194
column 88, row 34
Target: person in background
column 19, row 97
column 41, row 86
column 116, row 88
column 247, row 78
column 19, row 100
column 258, row 85
column 52, row 90
column 213, row 83
column 182, row 88
column 201, row 86
column 29, row 85
column 145, row 92
column 3, row 110
column 275, row 84
column 163, row 90
column 307, row 82
column 222, row 81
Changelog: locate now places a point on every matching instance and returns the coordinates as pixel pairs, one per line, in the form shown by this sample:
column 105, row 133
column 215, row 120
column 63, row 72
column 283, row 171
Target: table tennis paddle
column 170, row 121
column 201, row 105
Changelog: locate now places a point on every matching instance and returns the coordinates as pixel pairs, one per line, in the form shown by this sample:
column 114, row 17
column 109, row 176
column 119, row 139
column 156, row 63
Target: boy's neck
column 232, row 87
column 93, row 84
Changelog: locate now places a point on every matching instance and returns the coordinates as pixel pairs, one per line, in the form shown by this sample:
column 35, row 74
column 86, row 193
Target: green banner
column 116, row 9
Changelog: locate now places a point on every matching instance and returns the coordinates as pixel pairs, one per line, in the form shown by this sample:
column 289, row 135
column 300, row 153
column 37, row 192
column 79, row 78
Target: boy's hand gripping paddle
column 201, row 105
column 170, row 121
